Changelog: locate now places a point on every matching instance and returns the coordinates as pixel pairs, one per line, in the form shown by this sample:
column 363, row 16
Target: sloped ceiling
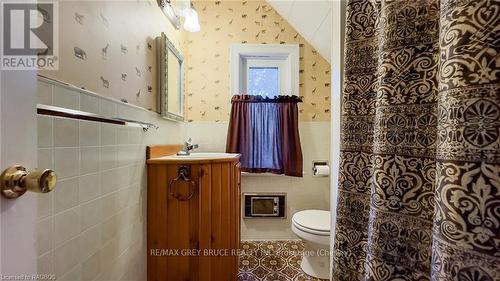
column 311, row 18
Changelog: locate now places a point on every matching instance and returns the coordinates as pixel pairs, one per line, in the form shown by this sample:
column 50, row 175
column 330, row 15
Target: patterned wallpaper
column 108, row 47
column 227, row 22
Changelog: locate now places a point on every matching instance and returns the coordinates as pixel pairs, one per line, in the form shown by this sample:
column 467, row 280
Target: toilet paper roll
column 321, row 170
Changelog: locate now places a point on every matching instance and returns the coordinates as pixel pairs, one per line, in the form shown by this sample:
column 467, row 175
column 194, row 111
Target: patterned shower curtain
column 419, row 187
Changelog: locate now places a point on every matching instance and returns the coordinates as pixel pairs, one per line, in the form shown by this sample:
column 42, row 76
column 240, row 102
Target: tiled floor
column 274, row 260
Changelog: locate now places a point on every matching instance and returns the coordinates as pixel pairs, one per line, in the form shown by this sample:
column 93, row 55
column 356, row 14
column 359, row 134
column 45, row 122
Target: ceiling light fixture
column 168, row 10
column 183, row 8
column 191, row 21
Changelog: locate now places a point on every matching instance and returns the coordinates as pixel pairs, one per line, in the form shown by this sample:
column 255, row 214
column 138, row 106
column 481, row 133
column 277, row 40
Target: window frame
column 283, row 56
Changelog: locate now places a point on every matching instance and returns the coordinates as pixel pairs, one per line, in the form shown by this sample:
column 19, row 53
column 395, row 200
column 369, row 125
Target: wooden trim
column 156, row 151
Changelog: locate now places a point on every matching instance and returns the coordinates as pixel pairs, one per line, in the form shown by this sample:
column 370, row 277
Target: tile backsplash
column 92, row 226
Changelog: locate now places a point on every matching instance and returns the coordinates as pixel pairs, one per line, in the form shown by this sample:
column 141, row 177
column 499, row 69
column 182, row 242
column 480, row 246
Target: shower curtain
column 419, row 185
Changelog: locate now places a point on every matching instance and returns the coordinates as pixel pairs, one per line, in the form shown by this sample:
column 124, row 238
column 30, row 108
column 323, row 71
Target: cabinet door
column 219, row 222
column 183, row 224
column 208, row 222
column 173, row 224
column 205, row 230
column 236, row 198
column 157, row 222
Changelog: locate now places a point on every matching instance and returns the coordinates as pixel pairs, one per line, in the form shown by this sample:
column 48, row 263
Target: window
column 263, row 81
column 265, row 131
column 265, row 70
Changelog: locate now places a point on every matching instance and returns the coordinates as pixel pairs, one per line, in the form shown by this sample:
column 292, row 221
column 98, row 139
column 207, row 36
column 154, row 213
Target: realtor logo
column 29, row 36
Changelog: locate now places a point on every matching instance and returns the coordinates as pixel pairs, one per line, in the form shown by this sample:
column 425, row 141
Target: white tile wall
column 89, row 104
column 66, row 196
column 66, row 98
column 66, row 133
column 92, row 226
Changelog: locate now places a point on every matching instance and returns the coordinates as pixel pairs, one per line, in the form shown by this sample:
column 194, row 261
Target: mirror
column 171, row 79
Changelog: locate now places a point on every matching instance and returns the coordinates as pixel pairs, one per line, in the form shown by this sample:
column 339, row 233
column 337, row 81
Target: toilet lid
column 317, row 220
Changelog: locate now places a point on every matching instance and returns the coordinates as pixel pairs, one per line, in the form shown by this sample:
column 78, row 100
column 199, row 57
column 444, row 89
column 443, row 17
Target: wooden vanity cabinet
column 197, row 238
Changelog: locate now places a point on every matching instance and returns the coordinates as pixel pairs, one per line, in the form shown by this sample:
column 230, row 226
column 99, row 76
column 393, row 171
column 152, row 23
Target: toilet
column 313, row 227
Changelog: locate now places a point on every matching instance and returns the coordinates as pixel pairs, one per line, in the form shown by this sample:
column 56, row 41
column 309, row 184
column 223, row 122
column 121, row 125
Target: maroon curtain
column 265, row 131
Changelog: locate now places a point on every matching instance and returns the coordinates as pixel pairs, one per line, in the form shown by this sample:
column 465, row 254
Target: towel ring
column 183, row 175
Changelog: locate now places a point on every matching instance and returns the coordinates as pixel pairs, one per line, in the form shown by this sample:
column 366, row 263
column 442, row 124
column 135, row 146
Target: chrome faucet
column 188, row 146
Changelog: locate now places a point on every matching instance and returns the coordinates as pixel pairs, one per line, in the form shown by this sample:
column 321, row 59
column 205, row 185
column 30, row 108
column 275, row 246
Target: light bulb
column 191, row 22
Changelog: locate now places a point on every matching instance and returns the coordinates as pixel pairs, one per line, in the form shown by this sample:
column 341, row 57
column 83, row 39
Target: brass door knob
column 16, row 180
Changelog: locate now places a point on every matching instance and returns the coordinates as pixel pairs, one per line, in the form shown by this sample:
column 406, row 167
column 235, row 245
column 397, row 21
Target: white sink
column 203, row 156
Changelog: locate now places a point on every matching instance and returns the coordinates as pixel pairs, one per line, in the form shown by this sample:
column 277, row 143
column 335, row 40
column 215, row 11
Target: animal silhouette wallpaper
column 104, row 50
column 114, row 55
column 224, row 23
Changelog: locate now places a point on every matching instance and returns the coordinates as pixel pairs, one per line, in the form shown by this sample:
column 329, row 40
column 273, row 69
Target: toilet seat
column 315, row 222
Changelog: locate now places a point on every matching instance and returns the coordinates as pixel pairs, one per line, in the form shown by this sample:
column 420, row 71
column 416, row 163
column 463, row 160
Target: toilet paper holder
column 316, row 163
